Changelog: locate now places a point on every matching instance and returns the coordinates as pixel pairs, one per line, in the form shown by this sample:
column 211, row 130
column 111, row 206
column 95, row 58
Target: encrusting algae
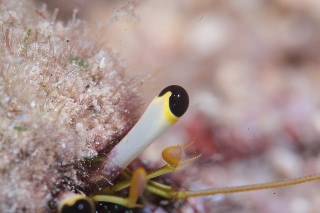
column 63, row 99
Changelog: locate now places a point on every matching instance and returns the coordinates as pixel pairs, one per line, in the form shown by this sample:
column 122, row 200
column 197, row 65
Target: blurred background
column 251, row 68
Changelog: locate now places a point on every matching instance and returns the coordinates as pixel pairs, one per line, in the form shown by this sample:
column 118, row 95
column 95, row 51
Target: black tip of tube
column 80, row 206
column 179, row 100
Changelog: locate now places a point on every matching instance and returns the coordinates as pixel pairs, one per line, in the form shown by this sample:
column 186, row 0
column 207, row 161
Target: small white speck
column 164, row 202
column 102, row 63
column 33, row 104
column 79, row 127
column 6, row 99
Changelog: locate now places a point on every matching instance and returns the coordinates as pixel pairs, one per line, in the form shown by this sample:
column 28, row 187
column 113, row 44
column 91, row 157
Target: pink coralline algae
column 64, row 98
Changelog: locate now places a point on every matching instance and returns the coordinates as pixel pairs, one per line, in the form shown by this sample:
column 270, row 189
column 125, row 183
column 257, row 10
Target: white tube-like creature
column 162, row 113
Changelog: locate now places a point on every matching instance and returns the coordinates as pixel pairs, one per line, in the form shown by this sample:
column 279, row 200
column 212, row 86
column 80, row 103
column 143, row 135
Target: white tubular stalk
column 162, row 113
column 150, row 126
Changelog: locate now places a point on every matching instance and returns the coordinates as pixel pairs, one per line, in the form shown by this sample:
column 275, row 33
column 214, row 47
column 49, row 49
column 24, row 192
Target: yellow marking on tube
column 168, row 115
